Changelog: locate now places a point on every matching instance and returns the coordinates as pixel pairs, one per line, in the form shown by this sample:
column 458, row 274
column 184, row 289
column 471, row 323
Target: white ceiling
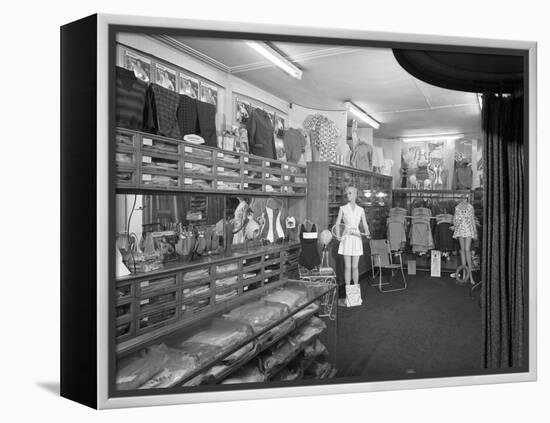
column 370, row 77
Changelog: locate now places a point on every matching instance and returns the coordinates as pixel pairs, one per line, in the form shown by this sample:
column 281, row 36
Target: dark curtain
column 504, row 222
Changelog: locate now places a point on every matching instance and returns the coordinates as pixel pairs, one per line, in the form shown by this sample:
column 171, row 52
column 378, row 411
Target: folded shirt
column 233, row 186
column 246, row 374
column 306, row 332
column 289, row 297
column 196, row 275
column 229, row 173
column 199, row 169
column 226, row 296
column 315, row 349
column 195, row 305
column 227, row 282
column 226, row 268
column 279, row 354
column 257, row 314
column 177, row 366
column 134, row 371
column 196, row 291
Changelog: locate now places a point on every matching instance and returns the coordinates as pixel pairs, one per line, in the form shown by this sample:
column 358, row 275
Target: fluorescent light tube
column 357, row 112
column 275, row 58
column 442, row 137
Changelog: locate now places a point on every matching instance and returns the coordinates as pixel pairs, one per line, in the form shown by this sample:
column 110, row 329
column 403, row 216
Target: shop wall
column 392, row 150
column 230, row 84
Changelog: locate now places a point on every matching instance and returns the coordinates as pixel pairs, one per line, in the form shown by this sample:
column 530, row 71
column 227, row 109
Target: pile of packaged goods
column 167, row 364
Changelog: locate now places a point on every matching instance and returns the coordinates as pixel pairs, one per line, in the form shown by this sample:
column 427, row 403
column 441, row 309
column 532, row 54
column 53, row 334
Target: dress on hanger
column 464, row 221
column 309, row 256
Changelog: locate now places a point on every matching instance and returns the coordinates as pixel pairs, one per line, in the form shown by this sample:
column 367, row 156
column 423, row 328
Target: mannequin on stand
column 465, row 230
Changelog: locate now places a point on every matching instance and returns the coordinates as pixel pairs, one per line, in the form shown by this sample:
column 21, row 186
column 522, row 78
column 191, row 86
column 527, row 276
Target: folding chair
column 381, row 257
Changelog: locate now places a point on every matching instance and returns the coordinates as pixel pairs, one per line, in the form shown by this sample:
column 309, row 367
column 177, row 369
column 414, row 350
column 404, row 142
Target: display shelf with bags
column 233, row 336
column 147, row 162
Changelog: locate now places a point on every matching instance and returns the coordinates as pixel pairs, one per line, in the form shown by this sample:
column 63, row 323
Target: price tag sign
column 245, row 184
column 267, row 175
column 220, row 169
column 146, row 159
column 146, row 177
column 145, row 301
column 147, row 141
column 187, row 149
column 267, row 164
column 187, row 165
column 246, row 172
column 287, row 178
column 187, row 181
column 145, row 319
column 144, row 284
column 246, row 159
column 220, row 155
column 285, row 166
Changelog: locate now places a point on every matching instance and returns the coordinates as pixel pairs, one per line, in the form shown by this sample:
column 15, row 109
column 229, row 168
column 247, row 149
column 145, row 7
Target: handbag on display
column 353, row 295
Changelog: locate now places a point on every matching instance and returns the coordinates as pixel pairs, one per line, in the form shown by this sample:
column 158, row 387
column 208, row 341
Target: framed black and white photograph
column 275, row 270
column 209, row 93
column 188, row 85
column 165, row 77
column 141, row 66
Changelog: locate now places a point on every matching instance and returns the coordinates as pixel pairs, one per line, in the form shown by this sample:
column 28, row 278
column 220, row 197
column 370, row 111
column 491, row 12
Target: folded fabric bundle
column 248, row 350
column 177, row 366
column 279, row 354
column 227, row 282
column 200, row 169
column 196, row 275
column 232, row 186
column 221, row 334
column 257, row 314
column 306, row 332
column 249, row 275
column 246, row 374
column 276, row 332
column 123, row 158
column 199, row 152
column 195, row 305
column 226, row 296
column 137, row 369
column 318, row 370
column 289, row 373
column 306, row 312
column 163, row 146
column 162, row 165
column 315, row 349
column 229, row 173
column 228, row 159
column 163, row 180
column 200, row 183
column 289, row 297
column 226, row 268
column 196, row 291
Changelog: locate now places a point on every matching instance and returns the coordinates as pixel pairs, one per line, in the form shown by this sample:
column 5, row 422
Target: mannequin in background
column 351, row 245
column 465, row 230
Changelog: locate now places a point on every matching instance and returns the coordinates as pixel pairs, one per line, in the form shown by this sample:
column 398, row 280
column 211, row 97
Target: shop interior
column 233, row 159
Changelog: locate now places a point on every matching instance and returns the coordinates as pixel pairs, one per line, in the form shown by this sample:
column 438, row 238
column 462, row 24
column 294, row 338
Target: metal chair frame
column 376, row 261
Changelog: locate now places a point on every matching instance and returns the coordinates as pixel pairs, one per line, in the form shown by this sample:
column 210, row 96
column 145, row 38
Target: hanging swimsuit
column 272, row 230
column 309, row 256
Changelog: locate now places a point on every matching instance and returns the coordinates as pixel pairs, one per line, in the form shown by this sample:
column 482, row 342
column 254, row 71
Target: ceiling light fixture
column 275, row 58
column 356, row 111
column 441, row 137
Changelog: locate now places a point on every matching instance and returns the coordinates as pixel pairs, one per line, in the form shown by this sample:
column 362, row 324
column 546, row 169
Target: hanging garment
column 387, row 168
column 463, row 176
column 351, row 245
column 239, row 222
column 464, row 221
column 160, row 112
column 323, row 133
column 421, row 233
column 362, row 157
column 207, row 123
column 187, row 116
column 272, row 230
column 443, row 237
column 378, row 157
column 130, row 99
column 396, row 231
column 309, row 256
column 344, row 152
column 261, row 140
column 294, row 143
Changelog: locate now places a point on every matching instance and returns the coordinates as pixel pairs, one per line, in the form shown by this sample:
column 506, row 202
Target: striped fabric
column 130, row 99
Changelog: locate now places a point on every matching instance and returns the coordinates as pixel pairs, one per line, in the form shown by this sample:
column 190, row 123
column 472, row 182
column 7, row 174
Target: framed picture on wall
column 165, row 77
column 188, row 85
column 209, row 93
column 139, row 64
column 190, row 287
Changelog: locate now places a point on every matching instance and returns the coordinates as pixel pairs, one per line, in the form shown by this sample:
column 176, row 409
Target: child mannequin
column 351, row 245
column 465, row 230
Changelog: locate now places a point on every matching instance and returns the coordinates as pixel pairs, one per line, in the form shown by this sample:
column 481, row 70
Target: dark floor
column 431, row 329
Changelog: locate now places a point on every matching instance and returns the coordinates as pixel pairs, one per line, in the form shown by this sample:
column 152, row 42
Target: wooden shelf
column 148, row 163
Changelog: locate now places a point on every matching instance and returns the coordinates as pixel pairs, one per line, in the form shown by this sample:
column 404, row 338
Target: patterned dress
column 464, row 221
column 323, row 133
